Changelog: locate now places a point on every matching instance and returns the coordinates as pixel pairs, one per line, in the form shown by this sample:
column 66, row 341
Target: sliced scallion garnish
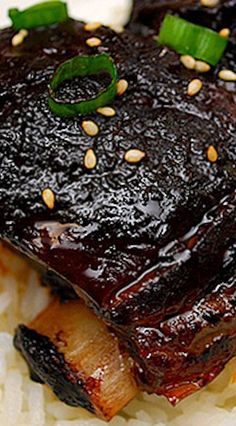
column 190, row 39
column 39, row 15
column 81, row 66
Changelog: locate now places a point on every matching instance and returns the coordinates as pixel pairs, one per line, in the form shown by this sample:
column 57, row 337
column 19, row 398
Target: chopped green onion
column 190, row 39
column 40, row 15
column 81, row 66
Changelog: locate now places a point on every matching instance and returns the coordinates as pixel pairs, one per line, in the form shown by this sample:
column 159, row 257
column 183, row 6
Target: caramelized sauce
column 116, row 233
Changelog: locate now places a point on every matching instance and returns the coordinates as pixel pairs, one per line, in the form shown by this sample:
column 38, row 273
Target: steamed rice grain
column 24, row 403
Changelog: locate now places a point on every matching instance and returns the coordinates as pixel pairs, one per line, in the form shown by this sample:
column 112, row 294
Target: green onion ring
column 39, row 15
column 81, row 66
column 190, row 39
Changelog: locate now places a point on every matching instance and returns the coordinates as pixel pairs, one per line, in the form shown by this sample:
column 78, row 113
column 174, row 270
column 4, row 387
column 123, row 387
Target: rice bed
column 24, row 403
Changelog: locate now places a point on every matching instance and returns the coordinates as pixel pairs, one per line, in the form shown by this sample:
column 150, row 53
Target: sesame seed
column 134, row 156
column 24, row 32
column 90, row 160
column 209, row 3
column 212, row 154
column 92, row 26
column 194, row 87
column 94, row 42
column 163, row 52
column 201, row 66
column 225, row 32
column 106, row 111
column 188, row 61
column 19, row 38
column 122, row 86
column 227, row 75
column 48, row 198
column 117, row 28
column 90, row 127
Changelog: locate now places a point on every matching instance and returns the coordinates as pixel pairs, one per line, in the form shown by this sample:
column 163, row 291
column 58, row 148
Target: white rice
column 24, row 403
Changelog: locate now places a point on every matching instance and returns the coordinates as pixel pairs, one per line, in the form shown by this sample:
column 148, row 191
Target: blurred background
column 108, row 12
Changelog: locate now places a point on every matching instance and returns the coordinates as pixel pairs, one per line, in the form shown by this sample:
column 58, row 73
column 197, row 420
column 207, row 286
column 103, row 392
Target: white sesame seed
column 122, row 86
column 24, row 32
column 19, row 38
column 92, row 26
column 48, row 198
column 194, row 87
column 209, row 3
column 94, row 42
column 163, row 51
column 225, row 32
column 90, row 127
column 106, row 111
column 117, row 28
column 134, row 156
column 201, row 66
column 212, row 154
column 227, row 75
column 90, row 160
column 188, row 61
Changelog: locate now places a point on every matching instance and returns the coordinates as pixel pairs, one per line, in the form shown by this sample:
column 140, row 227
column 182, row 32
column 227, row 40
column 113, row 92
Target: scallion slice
column 81, row 66
column 39, row 15
column 190, row 39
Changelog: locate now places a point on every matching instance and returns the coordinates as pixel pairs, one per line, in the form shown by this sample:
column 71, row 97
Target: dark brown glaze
column 123, row 214
column 110, row 224
column 147, row 15
column 185, row 352
column 182, row 273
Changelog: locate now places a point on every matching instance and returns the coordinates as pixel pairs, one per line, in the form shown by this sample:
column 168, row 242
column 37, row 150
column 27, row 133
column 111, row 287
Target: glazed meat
column 147, row 15
column 189, row 349
column 183, row 335
column 181, row 263
column 149, row 246
column 112, row 220
column 177, row 353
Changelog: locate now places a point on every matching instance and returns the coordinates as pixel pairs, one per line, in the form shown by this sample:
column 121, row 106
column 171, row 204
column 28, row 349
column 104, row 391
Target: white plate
column 109, row 12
